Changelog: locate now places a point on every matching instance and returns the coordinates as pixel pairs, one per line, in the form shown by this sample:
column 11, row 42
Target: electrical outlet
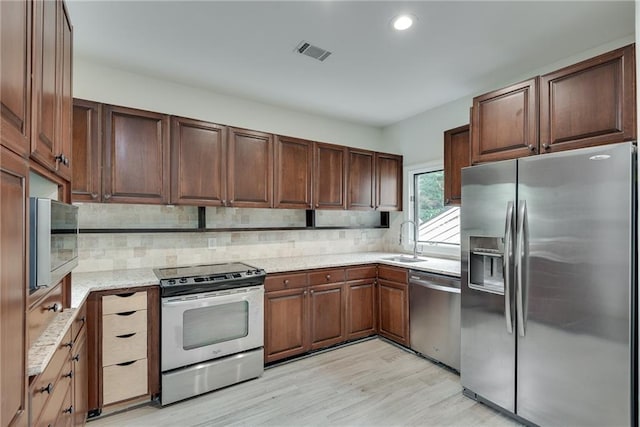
column 212, row 243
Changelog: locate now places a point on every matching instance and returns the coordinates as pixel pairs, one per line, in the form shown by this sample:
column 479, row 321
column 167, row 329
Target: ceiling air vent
column 315, row 52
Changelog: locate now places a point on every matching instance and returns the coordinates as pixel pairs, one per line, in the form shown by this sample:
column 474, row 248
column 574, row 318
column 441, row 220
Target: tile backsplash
column 98, row 252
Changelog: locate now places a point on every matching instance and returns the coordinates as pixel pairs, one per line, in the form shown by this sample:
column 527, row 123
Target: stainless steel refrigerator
column 548, row 304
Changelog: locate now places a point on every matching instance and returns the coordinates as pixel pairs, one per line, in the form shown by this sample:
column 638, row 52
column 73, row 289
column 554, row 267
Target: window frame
column 449, row 250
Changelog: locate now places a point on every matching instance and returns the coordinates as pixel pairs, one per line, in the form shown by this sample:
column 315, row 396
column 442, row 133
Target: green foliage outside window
column 429, row 189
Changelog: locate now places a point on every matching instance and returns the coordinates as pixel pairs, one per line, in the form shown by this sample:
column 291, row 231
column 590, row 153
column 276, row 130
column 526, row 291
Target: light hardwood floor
column 371, row 383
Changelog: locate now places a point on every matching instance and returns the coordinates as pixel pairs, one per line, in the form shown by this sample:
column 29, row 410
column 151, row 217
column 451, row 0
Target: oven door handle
column 191, row 300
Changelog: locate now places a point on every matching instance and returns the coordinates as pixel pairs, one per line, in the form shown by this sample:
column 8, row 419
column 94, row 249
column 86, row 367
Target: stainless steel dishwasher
column 434, row 316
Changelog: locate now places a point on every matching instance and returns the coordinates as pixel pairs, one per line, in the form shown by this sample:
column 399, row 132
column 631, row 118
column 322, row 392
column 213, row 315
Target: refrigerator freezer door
column 573, row 361
column 487, row 365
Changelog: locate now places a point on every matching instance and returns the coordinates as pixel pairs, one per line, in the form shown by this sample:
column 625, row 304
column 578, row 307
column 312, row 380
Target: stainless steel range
column 212, row 332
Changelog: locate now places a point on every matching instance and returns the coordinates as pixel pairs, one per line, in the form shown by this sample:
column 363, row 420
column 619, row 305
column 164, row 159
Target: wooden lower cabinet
column 80, row 379
column 361, row 308
column 123, row 346
column 286, row 315
column 393, row 304
column 326, row 315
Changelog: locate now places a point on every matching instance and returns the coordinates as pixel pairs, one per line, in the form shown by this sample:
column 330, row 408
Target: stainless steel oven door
column 206, row 326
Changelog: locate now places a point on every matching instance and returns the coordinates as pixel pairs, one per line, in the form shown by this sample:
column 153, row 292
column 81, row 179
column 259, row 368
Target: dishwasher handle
column 431, row 285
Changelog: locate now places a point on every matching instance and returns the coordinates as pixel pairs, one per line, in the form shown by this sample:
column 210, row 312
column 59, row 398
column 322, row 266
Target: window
column 438, row 225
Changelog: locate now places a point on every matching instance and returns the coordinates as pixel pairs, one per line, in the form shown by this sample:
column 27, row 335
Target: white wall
column 420, row 138
column 97, row 82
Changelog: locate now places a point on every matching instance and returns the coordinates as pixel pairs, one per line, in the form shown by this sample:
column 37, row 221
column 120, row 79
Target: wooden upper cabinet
column 250, row 168
column 65, row 139
column 15, row 69
column 361, row 180
column 589, row 103
column 13, row 284
column 136, row 156
column 87, row 153
column 293, row 173
column 198, row 166
column 457, row 153
column 505, row 123
column 388, row 182
column 46, row 78
column 330, row 164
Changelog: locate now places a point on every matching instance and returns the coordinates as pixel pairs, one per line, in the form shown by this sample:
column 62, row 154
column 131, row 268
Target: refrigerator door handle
column 506, row 265
column 519, row 264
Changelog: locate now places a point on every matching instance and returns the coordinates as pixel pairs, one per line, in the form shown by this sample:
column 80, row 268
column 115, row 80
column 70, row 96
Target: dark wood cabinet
column 198, row 166
column 505, row 123
column 293, row 173
column 388, row 182
column 136, row 156
column 86, row 185
column 65, row 138
column 393, row 304
column 13, row 272
column 51, row 87
column 286, row 324
column 250, row 168
column 330, row 169
column 361, row 308
column 15, row 69
column 80, row 378
column 589, row 103
column 457, row 155
column 326, row 314
column 361, row 178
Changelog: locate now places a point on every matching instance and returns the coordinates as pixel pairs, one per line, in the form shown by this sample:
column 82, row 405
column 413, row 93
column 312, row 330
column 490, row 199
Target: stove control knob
column 171, row 282
column 183, row 280
column 249, row 272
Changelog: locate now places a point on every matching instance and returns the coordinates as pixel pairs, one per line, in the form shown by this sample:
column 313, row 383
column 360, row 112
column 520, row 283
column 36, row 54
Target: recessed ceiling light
column 402, row 22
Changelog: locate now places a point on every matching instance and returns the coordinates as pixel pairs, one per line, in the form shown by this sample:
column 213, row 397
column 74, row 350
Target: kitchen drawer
column 120, row 303
column 326, row 276
column 124, row 381
column 42, row 313
column 58, row 409
column 285, row 281
column 46, row 407
column 124, row 323
column 395, row 274
column 365, row 272
column 47, row 380
column 79, row 321
column 124, row 348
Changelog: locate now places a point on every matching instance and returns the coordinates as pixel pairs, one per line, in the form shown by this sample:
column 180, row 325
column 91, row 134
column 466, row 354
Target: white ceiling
column 375, row 75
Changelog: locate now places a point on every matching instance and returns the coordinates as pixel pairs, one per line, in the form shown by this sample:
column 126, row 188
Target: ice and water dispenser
column 486, row 261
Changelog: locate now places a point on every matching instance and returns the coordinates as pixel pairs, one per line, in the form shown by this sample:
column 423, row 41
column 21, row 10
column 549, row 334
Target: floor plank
column 371, row 383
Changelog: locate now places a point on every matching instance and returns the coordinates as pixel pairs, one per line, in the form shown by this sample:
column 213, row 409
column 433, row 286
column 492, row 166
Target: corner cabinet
column 505, row 123
column 198, row 166
column 136, row 156
column 388, row 182
column 589, row 103
column 86, row 185
column 250, row 168
column 456, row 156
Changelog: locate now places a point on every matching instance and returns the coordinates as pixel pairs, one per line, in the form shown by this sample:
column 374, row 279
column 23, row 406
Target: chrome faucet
column 415, row 236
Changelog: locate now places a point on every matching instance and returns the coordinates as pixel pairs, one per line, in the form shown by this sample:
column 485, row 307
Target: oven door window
column 215, row 324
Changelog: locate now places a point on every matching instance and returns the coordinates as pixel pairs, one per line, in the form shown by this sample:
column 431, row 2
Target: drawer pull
column 69, row 410
column 126, row 363
column 76, row 357
column 126, row 335
column 126, row 313
column 328, row 277
column 54, row 307
column 69, row 344
column 286, row 282
column 69, row 375
column 127, row 295
column 48, row 388
column 83, row 319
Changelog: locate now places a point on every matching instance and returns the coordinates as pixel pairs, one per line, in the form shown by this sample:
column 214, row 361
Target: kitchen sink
column 403, row 258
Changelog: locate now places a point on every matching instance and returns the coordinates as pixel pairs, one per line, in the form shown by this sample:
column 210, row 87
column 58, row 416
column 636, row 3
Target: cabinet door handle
column 286, row 283
column 311, row 291
column 304, row 293
column 546, row 146
column 126, row 335
column 83, row 319
column 69, row 410
column 69, row 375
column 107, row 196
column 48, row 389
column 328, row 276
column 531, row 148
column 94, row 196
column 54, row 307
column 69, row 344
column 76, row 358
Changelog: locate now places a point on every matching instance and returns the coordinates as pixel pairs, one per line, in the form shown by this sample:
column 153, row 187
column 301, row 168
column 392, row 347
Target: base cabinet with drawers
column 58, row 396
column 309, row 310
column 123, row 347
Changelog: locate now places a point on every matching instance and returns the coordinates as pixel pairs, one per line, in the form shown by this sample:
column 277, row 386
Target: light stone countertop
column 83, row 283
